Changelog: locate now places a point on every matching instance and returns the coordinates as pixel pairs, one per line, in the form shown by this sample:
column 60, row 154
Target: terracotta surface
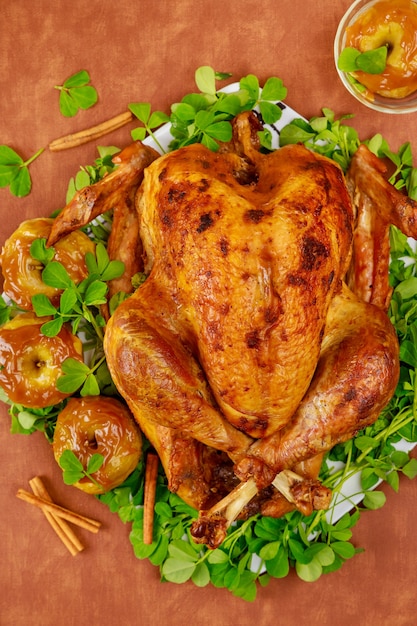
column 148, row 51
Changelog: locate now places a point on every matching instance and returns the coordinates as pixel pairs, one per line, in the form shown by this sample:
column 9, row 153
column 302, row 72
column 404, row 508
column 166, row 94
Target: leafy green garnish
column 205, row 117
column 5, row 312
column 206, row 77
column 26, row 420
column 14, row 171
column 404, row 176
column 371, row 61
column 150, row 121
column 78, row 376
column 78, row 302
column 79, row 305
column 73, row 469
column 338, row 141
column 40, row 252
column 76, row 93
column 325, row 134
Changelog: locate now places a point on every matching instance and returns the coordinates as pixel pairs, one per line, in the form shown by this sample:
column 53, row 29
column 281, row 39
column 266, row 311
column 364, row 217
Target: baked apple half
column 22, row 273
column 30, row 362
column 99, row 425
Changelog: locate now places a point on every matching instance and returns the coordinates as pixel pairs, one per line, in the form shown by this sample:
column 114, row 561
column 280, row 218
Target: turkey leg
column 356, row 375
column 158, row 376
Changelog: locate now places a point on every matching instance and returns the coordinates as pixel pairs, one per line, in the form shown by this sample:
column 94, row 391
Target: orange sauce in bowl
column 392, row 23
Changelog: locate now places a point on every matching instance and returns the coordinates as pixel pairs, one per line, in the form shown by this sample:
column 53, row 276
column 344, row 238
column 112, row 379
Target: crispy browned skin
column 124, row 243
column 378, row 205
column 356, row 375
column 160, row 378
column 112, row 190
column 249, row 270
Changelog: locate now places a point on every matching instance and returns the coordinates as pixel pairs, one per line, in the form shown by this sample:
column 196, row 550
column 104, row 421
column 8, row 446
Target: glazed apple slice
column 23, row 275
column 99, row 425
column 30, row 362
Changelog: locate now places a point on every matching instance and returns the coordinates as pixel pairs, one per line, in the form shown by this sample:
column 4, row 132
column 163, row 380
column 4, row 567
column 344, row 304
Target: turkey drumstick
column 356, row 375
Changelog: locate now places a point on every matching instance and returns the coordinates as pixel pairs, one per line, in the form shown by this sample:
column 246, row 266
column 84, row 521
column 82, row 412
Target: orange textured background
column 148, row 51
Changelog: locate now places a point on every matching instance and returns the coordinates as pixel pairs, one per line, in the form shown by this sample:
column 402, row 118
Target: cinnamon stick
column 75, row 518
column 151, row 475
column 89, row 134
column 59, row 525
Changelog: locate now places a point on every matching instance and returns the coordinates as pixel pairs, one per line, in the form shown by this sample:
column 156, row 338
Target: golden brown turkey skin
column 124, row 243
column 107, row 193
column 355, row 378
column 198, row 474
column 250, row 270
column 158, row 376
column 378, row 204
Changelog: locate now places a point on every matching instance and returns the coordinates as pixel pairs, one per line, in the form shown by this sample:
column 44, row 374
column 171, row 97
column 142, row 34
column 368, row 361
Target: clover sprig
column 14, row 171
column 73, row 469
column 79, row 305
column 76, row 93
column 204, row 117
column 76, row 300
column 370, row 62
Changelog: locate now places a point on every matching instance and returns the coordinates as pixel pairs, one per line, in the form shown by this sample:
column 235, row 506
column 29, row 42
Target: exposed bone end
column 321, row 497
column 210, row 529
column 211, row 526
column 306, row 494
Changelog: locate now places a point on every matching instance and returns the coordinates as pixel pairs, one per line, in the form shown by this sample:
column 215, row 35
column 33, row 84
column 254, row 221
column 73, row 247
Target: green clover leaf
column 76, row 93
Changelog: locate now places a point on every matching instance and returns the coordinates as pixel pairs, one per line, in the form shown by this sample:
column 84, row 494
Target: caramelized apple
column 30, row 362
column 100, row 425
column 23, row 275
column 394, row 25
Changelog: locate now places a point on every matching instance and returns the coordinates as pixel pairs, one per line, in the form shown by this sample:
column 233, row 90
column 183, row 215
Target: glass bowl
column 375, row 101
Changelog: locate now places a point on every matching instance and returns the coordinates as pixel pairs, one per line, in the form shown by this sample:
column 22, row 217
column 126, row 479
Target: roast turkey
column 254, row 345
